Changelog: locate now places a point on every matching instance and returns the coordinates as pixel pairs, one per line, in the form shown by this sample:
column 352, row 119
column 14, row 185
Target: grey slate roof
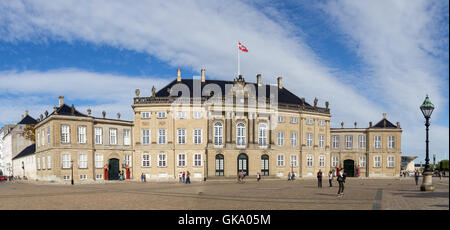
column 27, row 151
column 384, row 124
column 28, row 120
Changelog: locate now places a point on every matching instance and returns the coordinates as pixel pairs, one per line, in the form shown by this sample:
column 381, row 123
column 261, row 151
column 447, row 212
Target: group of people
column 291, row 176
column 340, row 179
column 184, row 177
column 241, row 176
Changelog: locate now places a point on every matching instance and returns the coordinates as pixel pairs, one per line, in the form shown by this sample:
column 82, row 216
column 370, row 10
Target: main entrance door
column 243, row 163
column 113, row 169
column 219, row 165
column 349, row 168
column 264, row 165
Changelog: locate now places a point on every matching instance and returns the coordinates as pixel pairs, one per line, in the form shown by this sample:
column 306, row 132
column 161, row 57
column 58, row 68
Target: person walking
column 416, row 177
column 180, row 175
column 289, row 176
column 184, row 177
column 258, row 177
column 188, row 177
column 341, row 180
column 242, row 176
column 330, row 178
column 319, row 178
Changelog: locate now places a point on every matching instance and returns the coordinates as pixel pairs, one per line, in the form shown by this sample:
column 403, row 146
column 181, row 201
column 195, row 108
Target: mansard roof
column 284, row 95
column 28, row 120
column 67, row 110
column 384, row 123
column 27, row 151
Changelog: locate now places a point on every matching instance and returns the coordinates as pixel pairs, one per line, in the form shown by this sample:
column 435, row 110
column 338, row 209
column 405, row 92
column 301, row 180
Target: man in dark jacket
column 319, row 178
column 341, row 180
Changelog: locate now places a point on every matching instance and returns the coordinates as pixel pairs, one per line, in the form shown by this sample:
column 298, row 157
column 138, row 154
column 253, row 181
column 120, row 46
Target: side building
column 24, row 164
column 70, row 142
column 374, row 151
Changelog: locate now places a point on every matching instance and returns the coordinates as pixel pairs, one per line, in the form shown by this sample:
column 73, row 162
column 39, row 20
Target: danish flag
column 242, row 47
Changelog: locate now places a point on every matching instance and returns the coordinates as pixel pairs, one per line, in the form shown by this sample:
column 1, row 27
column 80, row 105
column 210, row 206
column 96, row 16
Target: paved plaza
column 303, row 194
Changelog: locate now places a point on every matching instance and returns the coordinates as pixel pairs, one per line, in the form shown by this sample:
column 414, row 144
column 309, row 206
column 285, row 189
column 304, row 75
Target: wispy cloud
column 394, row 39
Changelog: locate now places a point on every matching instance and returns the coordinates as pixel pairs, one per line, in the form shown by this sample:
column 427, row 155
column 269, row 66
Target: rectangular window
column 43, row 137
column 348, row 142
column 145, row 115
column 377, row 142
column 309, row 160
column 321, row 122
column 82, row 161
column 197, row 160
column 98, row 176
column 309, row 140
column 49, row 162
column 334, row 161
column 99, row 161
column 262, row 140
column 161, row 114
column 48, row 135
column 280, row 138
column 280, row 119
column 197, row 115
column 66, row 158
column 377, row 162
column 390, row 162
column 43, row 162
column 37, row 139
column 145, row 160
column 197, row 136
column 38, row 160
column 181, row 160
column 293, row 139
column 82, row 134
column 280, row 160
column 83, row 177
column 362, row 161
column 218, row 134
column 112, row 136
column 146, row 136
column 162, row 136
column 294, row 162
column 335, row 141
column 128, row 160
column 362, row 141
column 321, row 141
column 65, row 134
column 181, row 136
column 309, row 121
column 181, row 115
column 162, row 160
column 66, row 177
column 126, row 137
column 391, row 142
column 294, row 120
column 321, row 161
column 98, row 136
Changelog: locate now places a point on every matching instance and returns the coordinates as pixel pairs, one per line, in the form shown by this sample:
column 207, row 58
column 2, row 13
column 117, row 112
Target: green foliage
column 443, row 165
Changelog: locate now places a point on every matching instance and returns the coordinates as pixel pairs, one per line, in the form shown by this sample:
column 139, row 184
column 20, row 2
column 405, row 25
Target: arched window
column 240, row 134
column 218, row 133
column 262, row 140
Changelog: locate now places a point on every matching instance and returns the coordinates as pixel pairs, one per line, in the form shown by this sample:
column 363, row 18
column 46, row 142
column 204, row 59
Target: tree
column 29, row 132
column 443, row 165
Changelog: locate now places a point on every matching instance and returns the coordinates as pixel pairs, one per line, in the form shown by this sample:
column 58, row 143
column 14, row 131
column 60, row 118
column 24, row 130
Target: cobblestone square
column 303, row 194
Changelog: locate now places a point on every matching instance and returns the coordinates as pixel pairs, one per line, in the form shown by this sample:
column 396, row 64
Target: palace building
column 213, row 129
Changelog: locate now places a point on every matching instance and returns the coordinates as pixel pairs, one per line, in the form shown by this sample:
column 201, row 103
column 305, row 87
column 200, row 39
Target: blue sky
column 364, row 57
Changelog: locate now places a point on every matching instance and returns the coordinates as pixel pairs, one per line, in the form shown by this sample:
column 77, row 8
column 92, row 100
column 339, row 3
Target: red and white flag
column 242, row 47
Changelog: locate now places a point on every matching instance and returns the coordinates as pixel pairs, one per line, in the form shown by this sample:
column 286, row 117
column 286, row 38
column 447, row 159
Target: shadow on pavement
column 424, row 195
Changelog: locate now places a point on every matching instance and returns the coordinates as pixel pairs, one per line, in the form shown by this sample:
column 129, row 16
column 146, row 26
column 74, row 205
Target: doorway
column 349, row 168
column 113, row 169
column 265, row 165
column 243, row 163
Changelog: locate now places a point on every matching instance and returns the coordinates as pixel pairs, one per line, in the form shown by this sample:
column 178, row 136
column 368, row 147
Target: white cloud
column 203, row 34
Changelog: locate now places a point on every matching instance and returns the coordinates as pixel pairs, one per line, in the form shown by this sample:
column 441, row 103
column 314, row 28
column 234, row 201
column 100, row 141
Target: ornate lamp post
column 427, row 182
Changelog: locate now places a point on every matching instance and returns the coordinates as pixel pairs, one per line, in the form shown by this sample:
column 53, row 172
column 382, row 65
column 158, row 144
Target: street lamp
column 72, row 170
column 427, row 108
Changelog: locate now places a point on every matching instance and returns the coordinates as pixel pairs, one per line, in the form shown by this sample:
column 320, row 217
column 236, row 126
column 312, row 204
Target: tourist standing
column 188, row 177
column 416, row 177
column 341, row 180
column 258, row 177
column 319, row 179
column 289, row 176
column 330, row 178
column 180, row 175
column 440, row 176
column 184, row 177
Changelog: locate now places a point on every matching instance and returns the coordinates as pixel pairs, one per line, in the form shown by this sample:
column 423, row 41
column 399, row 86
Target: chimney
column 203, row 75
column 178, row 75
column 104, row 114
column 370, row 124
column 61, row 100
column 72, row 109
column 258, row 79
column 22, row 116
column 384, row 115
column 26, row 112
column 280, row 85
column 398, row 125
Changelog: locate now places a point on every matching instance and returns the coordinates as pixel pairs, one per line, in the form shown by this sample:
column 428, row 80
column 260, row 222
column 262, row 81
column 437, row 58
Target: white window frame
column 82, row 161
column 390, row 162
column 294, row 139
column 309, row 121
column 145, row 115
column 335, row 141
column 294, row 120
column 280, row 138
column 262, row 134
column 98, row 160
column 321, row 122
column 197, row 115
column 126, row 137
column 65, row 134
column 162, row 160
column 128, row 160
column 280, row 119
column 98, row 135
column 43, row 162
column 218, row 134
column 280, row 160
column 321, row 161
column 309, row 140
column 294, row 160
column 348, row 141
column 391, row 142
column 362, row 161
column 377, row 161
column 362, row 141
column 146, row 160
column 377, row 142
column 38, row 139
column 38, row 160
column 197, row 160
column 162, row 136
column 198, row 136
column 43, row 137
column 181, row 136
column 66, row 159
column 82, row 134
column 334, row 161
column 162, row 114
column 113, row 138
column 145, row 136
column 321, row 141
column 181, row 115
column 48, row 135
column 181, row 160
column 309, row 160
column 49, row 162
column 240, row 134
